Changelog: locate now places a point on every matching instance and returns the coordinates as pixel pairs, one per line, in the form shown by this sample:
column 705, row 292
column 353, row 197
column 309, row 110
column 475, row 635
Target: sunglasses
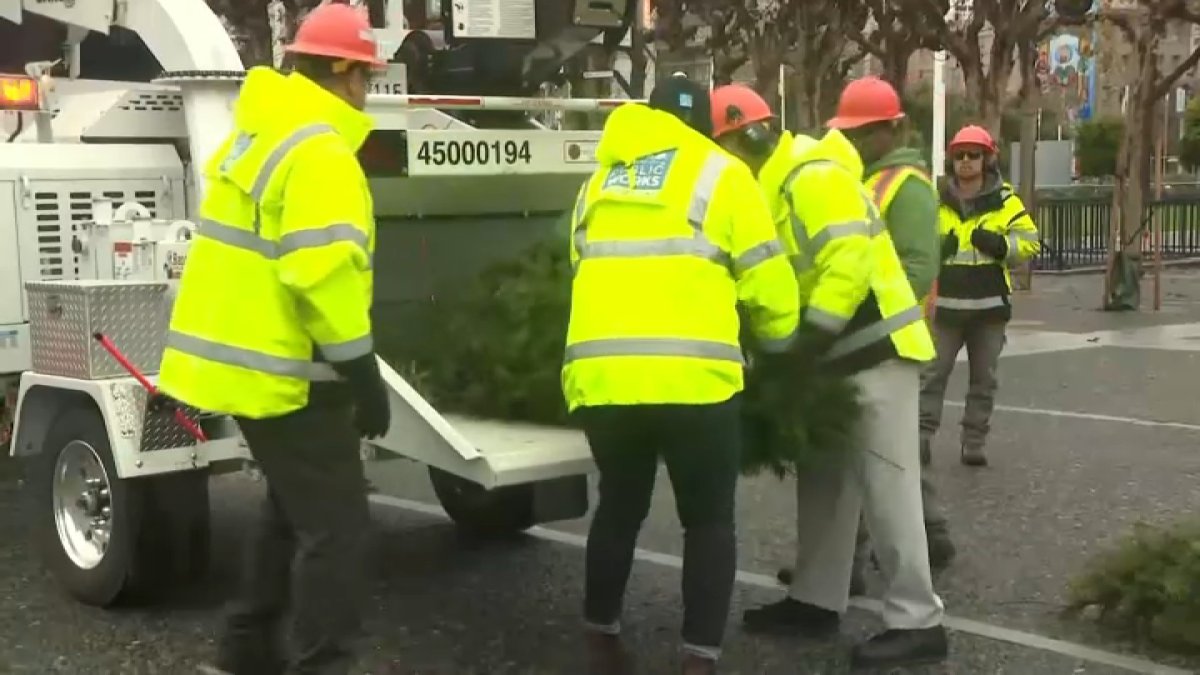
column 967, row 154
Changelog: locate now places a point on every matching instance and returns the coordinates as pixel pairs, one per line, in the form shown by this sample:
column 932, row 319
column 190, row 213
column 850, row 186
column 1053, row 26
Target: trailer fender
column 143, row 443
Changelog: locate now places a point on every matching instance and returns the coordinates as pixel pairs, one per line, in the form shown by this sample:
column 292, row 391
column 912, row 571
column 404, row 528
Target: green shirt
column 912, row 220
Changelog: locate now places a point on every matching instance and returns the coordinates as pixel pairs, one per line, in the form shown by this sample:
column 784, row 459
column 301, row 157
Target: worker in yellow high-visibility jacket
column 859, row 316
column 669, row 237
column 870, row 115
column 987, row 231
column 272, row 326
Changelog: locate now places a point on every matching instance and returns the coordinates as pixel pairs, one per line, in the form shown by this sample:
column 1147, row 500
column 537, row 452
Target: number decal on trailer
column 474, row 153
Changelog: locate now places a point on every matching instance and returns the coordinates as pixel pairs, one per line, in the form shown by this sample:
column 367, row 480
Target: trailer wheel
column 481, row 512
column 105, row 539
column 86, row 519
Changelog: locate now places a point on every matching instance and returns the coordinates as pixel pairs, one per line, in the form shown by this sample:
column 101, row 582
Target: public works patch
column 649, row 173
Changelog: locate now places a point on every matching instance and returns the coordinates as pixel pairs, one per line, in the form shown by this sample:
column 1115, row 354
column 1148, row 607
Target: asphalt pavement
column 1097, row 428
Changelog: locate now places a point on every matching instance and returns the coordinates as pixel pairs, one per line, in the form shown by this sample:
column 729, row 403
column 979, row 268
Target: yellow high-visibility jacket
column 884, row 185
column 851, row 281
column 278, row 281
column 971, row 281
column 669, row 235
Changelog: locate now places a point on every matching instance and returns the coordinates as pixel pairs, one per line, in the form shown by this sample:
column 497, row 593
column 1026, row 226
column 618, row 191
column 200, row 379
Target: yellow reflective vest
column 972, row 281
column 278, row 280
column 669, row 236
column 883, row 186
column 851, row 280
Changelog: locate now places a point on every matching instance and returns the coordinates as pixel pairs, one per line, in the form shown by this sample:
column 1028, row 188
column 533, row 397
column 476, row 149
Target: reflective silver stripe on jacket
column 970, row 303
column 348, row 350
column 869, row 335
column 250, row 359
column 698, row 245
column 291, row 242
column 870, row 227
column 263, row 179
column 1014, row 244
column 684, row 347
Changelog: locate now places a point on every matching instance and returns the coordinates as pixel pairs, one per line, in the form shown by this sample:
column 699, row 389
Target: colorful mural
column 1067, row 67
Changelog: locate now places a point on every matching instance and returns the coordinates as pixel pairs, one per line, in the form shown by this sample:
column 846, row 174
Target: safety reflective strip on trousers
column 251, row 241
column 872, row 227
column 698, row 245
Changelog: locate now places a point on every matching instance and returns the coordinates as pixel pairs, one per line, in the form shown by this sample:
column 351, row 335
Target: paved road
column 1090, row 438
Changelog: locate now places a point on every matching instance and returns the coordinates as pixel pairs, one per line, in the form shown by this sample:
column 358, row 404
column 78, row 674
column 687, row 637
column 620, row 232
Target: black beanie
column 686, row 100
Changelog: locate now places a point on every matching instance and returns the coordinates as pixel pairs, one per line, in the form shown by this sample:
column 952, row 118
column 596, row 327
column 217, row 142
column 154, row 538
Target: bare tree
column 1143, row 23
column 894, row 33
column 821, row 55
column 249, row 27
column 1007, row 24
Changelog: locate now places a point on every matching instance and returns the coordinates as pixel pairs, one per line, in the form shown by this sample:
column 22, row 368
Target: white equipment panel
column 500, row 152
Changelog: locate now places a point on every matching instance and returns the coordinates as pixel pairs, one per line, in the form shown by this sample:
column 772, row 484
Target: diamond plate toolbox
column 64, row 316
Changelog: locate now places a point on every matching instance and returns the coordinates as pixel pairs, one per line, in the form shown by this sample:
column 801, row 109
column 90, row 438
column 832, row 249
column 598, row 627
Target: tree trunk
column 1133, row 180
column 895, row 67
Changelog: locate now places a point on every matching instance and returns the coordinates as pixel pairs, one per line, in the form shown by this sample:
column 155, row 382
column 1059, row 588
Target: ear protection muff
column 756, row 137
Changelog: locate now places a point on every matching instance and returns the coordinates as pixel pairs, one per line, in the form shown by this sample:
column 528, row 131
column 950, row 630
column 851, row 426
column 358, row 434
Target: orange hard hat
column 973, row 135
column 736, row 106
column 865, row 101
column 337, row 31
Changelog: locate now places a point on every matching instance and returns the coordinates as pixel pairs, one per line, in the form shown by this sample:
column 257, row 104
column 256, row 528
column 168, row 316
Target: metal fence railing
column 1075, row 231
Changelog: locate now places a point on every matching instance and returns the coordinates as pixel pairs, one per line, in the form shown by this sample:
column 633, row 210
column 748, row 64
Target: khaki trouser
column 984, row 339
column 882, row 482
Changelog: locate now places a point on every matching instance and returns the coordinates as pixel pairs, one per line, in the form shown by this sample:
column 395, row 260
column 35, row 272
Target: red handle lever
column 191, row 427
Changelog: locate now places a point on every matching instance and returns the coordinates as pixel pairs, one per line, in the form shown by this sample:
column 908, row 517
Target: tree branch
column 1164, row 84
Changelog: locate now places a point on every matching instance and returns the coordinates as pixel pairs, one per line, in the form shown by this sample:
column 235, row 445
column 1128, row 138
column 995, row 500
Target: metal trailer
column 99, row 190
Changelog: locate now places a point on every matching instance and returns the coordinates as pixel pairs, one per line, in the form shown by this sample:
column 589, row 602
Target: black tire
column 116, row 576
column 480, row 512
column 159, row 536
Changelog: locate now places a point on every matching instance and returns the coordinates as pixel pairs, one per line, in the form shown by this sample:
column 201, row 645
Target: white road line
column 1096, row 417
column 999, row 633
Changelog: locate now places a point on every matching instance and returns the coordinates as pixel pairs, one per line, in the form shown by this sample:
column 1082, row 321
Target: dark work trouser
column 700, row 445
column 306, row 552
column 984, row 338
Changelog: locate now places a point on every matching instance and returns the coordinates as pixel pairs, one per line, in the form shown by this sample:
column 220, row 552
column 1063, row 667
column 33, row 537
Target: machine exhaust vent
column 151, row 101
column 59, row 217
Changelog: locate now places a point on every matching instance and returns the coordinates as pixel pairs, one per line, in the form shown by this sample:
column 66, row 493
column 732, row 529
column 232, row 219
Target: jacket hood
column 271, row 104
column 833, row 147
column 898, row 157
column 799, row 149
column 635, row 130
column 990, row 197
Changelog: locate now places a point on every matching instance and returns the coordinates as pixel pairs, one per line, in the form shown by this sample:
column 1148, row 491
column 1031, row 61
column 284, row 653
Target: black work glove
column 989, row 243
column 372, row 412
column 949, row 246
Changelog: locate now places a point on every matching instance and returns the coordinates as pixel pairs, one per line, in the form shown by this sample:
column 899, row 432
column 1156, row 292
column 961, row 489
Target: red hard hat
column 337, row 31
column 735, row 106
column 973, row 135
column 865, row 101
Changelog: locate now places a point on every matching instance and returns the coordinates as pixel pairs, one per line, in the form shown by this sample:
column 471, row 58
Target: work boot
column 858, row 584
column 698, row 665
column 972, row 455
column 606, row 655
column 789, row 617
column 941, row 549
column 926, row 452
column 895, row 648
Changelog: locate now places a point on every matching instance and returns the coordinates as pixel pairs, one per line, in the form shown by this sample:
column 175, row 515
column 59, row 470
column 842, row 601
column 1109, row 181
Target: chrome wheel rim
column 82, row 499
